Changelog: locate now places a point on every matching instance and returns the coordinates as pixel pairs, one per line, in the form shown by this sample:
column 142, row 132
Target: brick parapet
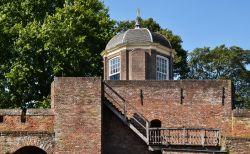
column 183, row 103
column 34, row 120
column 240, row 126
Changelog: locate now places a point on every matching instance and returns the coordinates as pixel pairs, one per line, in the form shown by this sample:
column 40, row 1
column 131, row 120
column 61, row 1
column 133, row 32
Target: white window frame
column 114, row 68
column 160, row 72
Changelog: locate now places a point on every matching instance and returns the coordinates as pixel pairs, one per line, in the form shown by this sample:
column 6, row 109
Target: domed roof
column 137, row 35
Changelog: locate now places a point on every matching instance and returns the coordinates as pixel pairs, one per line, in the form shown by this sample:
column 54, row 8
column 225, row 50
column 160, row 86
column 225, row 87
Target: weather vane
column 138, row 13
column 137, row 22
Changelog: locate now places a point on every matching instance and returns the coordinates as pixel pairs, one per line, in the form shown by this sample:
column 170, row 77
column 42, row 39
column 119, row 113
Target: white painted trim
column 155, row 46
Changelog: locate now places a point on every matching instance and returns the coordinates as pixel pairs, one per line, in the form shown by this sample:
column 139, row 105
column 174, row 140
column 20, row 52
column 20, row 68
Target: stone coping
column 29, row 112
column 241, row 113
column 20, row 133
column 238, row 138
column 183, row 80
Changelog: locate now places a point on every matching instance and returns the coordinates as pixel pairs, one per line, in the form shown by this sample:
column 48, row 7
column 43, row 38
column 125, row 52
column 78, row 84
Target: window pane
column 162, row 68
column 114, row 77
column 114, row 68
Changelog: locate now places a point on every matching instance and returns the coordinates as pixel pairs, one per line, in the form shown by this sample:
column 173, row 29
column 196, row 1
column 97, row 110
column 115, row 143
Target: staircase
column 160, row 138
column 126, row 113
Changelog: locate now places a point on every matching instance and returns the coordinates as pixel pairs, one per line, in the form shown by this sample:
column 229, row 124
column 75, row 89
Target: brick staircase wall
column 118, row 138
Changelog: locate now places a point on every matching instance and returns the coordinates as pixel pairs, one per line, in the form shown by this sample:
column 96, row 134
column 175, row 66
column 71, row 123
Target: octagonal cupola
column 138, row 54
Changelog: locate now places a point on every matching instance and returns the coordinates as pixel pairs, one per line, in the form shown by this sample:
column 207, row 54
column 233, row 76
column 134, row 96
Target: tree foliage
column 223, row 63
column 180, row 60
column 43, row 39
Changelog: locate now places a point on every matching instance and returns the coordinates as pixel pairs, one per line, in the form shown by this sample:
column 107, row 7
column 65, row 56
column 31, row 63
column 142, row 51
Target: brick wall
column 238, row 142
column 189, row 103
column 12, row 141
column 36, row 120
column 241, row 123
column 238, row 145
column 37, row 130
column 240, row 127
column 77, row 105
column 124, row 65
column 81, row 128
column 137, row 64
column 151, row 65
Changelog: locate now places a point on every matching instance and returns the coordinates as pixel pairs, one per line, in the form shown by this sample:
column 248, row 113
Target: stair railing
column 184, row 136
column 116, row 98
column 126, row 108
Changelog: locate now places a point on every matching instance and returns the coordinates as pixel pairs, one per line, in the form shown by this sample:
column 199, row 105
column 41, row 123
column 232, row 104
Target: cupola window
column 114, row 68
column 162, row 68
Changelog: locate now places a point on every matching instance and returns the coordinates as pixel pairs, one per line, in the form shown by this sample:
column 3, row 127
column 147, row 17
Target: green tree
column 223, row 63
column 63, row 40
column 14, row 16
column 180, row 60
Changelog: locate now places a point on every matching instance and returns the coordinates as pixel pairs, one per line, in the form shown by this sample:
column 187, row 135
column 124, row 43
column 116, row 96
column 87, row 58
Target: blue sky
column 199, row 22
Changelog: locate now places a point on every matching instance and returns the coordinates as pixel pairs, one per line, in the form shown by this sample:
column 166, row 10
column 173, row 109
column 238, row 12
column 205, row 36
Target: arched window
column 155, row 123
column 30, row 150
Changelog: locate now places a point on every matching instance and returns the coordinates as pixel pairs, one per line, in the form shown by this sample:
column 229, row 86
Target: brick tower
column 138, row 54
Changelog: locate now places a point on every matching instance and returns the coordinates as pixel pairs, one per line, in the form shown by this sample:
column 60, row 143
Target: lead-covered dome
column 137, row 36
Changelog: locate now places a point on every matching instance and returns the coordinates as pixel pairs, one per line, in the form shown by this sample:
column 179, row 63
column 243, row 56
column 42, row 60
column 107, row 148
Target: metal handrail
column 113, row 100
column 140, row 123
column 125, row 102
column 114, row 91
